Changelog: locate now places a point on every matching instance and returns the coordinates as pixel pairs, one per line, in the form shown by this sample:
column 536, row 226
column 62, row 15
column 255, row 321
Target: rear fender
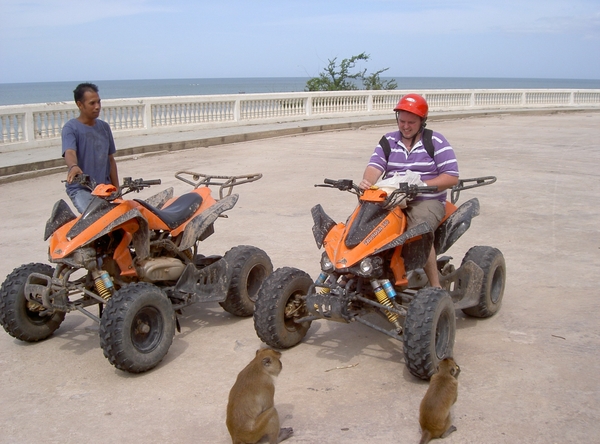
column 200, row 223
column 455, row 226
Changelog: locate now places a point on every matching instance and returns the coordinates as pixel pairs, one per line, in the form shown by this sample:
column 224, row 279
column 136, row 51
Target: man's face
column 89, row 106
column 409, row 124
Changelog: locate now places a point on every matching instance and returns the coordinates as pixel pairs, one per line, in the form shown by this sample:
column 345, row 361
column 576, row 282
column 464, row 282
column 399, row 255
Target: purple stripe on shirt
column 417, row 160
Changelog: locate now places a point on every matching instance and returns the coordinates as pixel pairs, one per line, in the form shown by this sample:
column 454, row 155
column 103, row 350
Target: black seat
column 178, row 212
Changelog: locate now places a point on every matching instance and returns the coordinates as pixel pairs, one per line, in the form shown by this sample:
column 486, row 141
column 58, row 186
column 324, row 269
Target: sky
column 68, row 40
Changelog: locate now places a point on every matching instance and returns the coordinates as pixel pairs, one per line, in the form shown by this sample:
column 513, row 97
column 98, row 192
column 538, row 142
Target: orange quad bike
column 374, row 264
column 138, row 260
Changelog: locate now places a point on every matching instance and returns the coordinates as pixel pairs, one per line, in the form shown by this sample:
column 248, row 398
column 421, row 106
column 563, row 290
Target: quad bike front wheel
column 137, row 327
column 429, row 331
column 491, row 261
column 19, row 317
column 249, row 267
column 280, row 302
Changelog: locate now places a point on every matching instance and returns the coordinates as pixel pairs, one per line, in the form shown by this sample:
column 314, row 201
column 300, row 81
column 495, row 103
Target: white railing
column 41, row 124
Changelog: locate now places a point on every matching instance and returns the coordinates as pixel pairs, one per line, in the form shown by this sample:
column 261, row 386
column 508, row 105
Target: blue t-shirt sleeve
column 69, row 139
column 112, row 149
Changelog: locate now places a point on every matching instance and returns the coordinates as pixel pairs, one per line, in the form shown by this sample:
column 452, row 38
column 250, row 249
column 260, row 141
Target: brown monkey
column 250, row 411
column 434, row 413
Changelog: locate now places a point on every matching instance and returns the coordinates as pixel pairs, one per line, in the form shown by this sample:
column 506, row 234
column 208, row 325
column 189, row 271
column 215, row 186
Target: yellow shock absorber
column 103, row 285
column 321, row 280
column 383, row 299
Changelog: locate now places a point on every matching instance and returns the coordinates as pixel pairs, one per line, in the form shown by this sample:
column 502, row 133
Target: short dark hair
column 81, row 89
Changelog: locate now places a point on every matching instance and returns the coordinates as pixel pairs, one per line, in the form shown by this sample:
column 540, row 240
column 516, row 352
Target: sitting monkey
column 251, row 413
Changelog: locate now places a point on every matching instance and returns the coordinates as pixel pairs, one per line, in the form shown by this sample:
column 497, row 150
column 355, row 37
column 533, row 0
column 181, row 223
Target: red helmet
column 413, row 103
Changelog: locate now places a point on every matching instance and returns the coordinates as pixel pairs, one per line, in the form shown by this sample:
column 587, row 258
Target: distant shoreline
column 44, row 92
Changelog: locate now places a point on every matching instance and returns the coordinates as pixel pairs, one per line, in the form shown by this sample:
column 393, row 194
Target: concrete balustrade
column 39, row 125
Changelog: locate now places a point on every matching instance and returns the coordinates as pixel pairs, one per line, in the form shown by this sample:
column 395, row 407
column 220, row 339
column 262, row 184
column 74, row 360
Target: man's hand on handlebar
column 365, row 184
column 73, row 172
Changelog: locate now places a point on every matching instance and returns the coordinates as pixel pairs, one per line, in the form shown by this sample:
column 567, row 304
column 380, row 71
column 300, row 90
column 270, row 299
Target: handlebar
column 152, row 182
column 130, row 185
column 342, row 185
column 404, row 190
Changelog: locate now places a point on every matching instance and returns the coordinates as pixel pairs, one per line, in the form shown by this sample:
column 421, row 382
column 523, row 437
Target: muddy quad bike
column 137, row 260
column 373, row 264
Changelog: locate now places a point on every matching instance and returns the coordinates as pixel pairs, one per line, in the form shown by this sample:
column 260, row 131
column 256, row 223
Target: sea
column 49, row 92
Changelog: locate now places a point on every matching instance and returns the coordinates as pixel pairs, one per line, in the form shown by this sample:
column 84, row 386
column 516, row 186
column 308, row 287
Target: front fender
column 322, row 224
column 61, row 214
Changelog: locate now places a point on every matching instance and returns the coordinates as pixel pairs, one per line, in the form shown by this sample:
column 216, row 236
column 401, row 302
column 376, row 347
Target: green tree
column 373, row 81
column 341, row 78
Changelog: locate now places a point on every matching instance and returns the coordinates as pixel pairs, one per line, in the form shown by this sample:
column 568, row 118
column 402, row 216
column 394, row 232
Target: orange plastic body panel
column 374, row 195
column 104, row 190
column 388, row 229
column 61, row 246
column 450, row 208
column 397, row 266
column 122, row 254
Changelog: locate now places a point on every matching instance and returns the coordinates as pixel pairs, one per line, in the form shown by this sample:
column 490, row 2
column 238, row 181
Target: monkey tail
column 425, row 437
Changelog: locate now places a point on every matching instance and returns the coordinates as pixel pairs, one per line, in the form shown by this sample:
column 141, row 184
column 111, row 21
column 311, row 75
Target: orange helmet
column 413, row 103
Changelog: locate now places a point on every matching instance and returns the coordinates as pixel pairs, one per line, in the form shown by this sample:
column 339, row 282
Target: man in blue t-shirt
column 88, row 146
column 408, row 152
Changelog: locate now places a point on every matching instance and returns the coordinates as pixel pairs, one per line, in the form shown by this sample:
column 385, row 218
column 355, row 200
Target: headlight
column 366, row 266
column 326, row 264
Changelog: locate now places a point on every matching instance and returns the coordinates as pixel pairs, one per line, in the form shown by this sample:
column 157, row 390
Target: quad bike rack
column 462, row 185
column 225, row 183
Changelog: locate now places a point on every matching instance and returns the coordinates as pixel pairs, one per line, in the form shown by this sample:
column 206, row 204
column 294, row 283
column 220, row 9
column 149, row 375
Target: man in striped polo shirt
column 408, row 152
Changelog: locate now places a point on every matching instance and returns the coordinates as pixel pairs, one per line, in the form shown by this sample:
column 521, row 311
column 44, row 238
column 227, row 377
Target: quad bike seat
column 180, row 210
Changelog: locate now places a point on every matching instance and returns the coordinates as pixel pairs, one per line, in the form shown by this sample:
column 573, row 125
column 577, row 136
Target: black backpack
column 427, row 142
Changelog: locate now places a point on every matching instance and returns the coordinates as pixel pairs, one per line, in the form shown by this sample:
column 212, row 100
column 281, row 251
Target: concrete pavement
column 529, row 374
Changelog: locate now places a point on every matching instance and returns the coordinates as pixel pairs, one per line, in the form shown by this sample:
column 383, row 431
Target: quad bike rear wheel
column 280, row 302
column 491, row 261
column 19, row 317
column 137, row 327
column 429, row 331
column 249, row 267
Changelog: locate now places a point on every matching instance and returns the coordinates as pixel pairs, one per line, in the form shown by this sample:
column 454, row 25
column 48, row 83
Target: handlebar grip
column 330, row 181
column 152, row 182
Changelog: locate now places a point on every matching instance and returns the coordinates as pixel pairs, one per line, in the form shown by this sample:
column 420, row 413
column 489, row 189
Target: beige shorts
column 430, row 211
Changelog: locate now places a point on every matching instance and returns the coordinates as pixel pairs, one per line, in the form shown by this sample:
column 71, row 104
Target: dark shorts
column 430, row 211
